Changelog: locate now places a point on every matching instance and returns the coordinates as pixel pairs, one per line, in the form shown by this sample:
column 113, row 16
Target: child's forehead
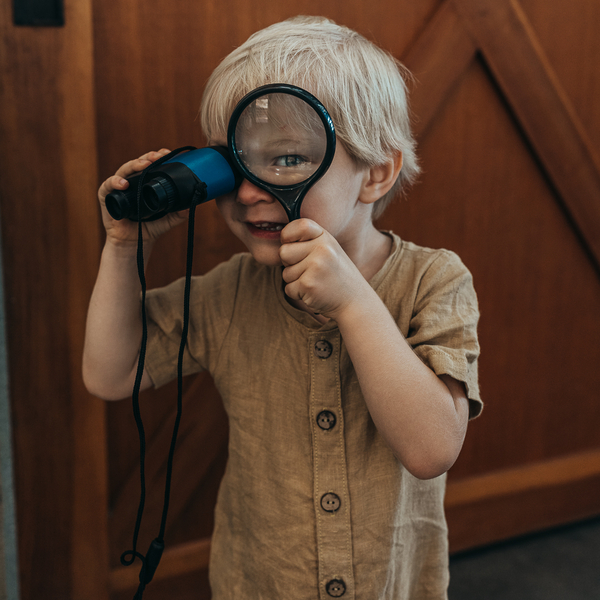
column 281, row 112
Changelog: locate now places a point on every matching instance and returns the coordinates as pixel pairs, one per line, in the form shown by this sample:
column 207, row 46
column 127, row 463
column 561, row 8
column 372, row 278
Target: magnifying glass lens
column 280, row 139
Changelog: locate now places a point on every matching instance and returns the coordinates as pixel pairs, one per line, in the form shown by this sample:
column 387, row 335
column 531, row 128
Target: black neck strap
column 152, row 558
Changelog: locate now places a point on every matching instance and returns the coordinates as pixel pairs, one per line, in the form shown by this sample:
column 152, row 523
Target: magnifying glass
column 283, row 141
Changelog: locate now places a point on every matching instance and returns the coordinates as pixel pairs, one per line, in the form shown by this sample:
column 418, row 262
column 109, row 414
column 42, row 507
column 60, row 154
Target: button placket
column 334, row 535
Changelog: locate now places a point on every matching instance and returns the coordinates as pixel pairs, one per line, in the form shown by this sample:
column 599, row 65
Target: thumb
column 300, row 230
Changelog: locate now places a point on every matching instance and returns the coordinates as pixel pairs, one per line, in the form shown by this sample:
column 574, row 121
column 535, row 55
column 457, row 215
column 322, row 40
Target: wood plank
column 559, row 471
column 521, row 68
column 440, row 55
column 50, row 243
column 77, row 119
column 523, row 499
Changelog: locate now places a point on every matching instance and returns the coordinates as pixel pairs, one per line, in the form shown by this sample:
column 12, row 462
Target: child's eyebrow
column 277, row 143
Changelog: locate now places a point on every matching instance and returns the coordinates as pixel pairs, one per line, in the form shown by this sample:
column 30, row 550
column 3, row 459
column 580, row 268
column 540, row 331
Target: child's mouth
column 268, row 226
column 265, row 229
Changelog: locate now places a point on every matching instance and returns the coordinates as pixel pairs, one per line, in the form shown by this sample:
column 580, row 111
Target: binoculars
column 169, row 185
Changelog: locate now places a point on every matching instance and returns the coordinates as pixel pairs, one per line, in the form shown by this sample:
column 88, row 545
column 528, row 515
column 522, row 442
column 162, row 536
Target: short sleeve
column 443, row 327
column 212, row 300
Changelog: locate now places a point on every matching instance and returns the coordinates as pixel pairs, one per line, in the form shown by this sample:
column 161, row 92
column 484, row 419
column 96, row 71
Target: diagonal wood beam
column 515, row 56
column 437, row 59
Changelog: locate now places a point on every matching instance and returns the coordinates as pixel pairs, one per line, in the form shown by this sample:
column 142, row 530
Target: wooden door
column 509, row 135
column 509, row 142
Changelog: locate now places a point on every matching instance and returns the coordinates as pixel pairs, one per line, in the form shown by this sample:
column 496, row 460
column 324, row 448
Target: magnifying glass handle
column 289, row 198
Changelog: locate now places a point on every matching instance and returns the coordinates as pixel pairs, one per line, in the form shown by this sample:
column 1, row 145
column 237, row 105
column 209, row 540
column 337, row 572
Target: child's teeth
column 269, row 226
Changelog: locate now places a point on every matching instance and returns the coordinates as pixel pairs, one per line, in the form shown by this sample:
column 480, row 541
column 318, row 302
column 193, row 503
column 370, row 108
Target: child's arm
column 114, row 329
column 422, row 417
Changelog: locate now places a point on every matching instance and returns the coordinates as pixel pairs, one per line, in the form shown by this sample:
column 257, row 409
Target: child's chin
column 269, row 259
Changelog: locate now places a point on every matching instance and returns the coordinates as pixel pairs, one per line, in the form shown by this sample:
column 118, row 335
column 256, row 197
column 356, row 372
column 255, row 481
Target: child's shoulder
column 424, row 252
column 422, row 259
column 415, row 271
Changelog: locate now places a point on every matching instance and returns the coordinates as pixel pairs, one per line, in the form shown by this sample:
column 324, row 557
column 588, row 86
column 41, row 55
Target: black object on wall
column 38, row 13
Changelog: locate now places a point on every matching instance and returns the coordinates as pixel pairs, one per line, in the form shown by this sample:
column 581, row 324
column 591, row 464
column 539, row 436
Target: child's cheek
column 226, row 206
column 224, row 201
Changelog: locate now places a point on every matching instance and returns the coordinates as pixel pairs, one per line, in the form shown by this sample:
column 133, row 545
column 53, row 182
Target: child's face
column 257, row 218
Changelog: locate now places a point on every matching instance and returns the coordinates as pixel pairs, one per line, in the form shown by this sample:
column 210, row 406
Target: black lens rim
column 301, row 188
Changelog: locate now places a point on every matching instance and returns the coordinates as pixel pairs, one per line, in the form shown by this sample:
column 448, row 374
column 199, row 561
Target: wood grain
column 50, row 243
column 437, row 59
column 505, row 504
column 520, row 66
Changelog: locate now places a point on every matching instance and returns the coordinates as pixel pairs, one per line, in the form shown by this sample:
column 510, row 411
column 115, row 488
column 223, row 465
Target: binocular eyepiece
column 170, row 184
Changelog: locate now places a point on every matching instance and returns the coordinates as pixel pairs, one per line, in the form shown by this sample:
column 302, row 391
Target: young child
column 346, row 357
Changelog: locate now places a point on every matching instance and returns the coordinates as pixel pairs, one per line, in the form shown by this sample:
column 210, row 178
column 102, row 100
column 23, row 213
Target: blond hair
column 362, row 87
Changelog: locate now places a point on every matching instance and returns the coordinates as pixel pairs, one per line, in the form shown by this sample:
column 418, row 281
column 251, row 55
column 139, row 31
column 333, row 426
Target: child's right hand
column 125, row 232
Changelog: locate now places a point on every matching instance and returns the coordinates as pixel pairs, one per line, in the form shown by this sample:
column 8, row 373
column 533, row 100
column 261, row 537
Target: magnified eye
column 290, row 160
column 283, row 141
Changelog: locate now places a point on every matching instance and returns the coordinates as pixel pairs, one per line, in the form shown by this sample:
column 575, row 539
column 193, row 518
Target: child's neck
column 371, row 256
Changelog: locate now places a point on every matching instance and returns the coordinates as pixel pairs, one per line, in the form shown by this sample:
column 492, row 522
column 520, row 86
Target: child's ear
column 380, row 179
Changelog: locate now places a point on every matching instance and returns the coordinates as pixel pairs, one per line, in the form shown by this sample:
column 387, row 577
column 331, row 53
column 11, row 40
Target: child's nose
column 249, row 194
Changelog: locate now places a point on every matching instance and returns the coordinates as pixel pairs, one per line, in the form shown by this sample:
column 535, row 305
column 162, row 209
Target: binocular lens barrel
column 120, row 204
column 159, row 194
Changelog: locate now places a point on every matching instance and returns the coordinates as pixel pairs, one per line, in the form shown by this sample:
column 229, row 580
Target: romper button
column 326, row 420
column 336, row 588
column 330, row 502
column 323, row 349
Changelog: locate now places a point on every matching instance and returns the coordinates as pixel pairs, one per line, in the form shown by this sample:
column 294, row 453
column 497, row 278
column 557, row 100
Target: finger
column 298, row 290
column 139, row 164
column 292, row 253
column 298, row 238
column 154, row 154
column 112, row 183
column 292, row 290
column 300, row 230
column 293, row 272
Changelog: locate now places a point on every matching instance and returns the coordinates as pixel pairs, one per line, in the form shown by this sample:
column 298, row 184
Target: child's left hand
column 317, row 270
